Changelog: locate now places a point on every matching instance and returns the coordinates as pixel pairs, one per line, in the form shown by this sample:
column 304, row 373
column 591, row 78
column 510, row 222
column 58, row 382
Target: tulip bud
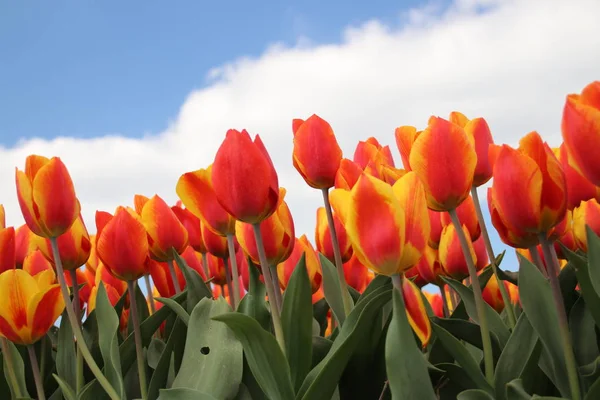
column 348, row 174
column 416, row 312
column 356, row 274
column 405, row 138
column 578, row 187
column 587, row 214
column 313, row 265
column 451, row 254
column 323, row 236
column 192, row 225
column 215, row 244
column 436, row 302
column 467, row 216
column 165, row 232
column 74, row 246
column 7, row 249
column 25, row 243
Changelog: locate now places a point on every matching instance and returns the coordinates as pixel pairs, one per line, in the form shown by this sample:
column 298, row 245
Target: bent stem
column 510, row 312
column 264, row 266
column 174, row 277
column 553, row 270
column 337, row 254
column 479, row 303
column 137, row 335
column 234, row 272
column 89, row 359
column 12, row 376
column 77, row 310
column 150, row 291
column 35, row 367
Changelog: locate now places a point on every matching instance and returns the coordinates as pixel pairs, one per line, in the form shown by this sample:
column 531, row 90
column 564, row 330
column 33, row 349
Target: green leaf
column 593, row 244
column 297, row 322
column 520, row 355
column 264, row 356
column 321, row 382
column 66, row 389
column 161, row 372
column 184, row 394
column 474, row 394
column 155, row 349
column 332, row 290
column 594, row 391
column 592, row 298
column 494, row 321
column 320, row 310
column 253, row 304
column 176, row 307
column 321, row 347
column 516, row 391
column 212, row 360
column 538, row 303
column 17, row 370
column 108, row 341
column 469, row 332
column 143, row 310
column 66, row 355
column 583, row 333
column 378, row 282
column 195, row 286
column 406, row 365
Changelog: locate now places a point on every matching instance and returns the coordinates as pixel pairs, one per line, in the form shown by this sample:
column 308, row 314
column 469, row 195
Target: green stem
column 444, row 300
column 77, row 311
column 553, row 269
column 337, row 254
column 264, row 266
column 9, row 367
column 137, row 335
column 205, row 265
column 89, row 359
column 174, row 277
column 35, row 368
column 150, row 293
column 277, row 287
column 510, row 312
column 228, row 279
column 235, row 296
column 479, row 303
column 537, row 260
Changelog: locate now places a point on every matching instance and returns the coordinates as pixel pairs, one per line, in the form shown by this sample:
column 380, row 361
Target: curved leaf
column 332, row 290
column 474, row 394
column 253, row 304
column 184, row 394
column 593, row 244
column 66, row 389
column 195, row 286
column 18, row 368
column 176, row 308
column 66, row 355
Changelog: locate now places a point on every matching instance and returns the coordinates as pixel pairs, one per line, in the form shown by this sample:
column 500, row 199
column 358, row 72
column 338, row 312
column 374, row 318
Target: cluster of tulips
column 238, row 307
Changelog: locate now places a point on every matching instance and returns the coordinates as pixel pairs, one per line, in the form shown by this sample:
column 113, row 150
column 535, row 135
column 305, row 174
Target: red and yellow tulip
column 467, row 216
column 7, row 248
column 166, row 234
column 192, row 225
column 323, row 236
column 451, row 255
column 357, row 275
column 74, row 246
column 348, row 174
column 587, row 214
column 578, row 187
column 313, row 265
column 416, row 312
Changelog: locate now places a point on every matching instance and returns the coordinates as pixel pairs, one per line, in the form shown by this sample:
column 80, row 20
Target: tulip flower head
column 313, row 265
column 587, row 214
column 166, row 234
column 323, row 236
column 74, row 246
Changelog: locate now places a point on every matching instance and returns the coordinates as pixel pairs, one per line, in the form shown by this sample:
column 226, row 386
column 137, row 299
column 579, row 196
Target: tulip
column 74, row 246
column 492, row 295
column 163, row 281
column 578, row 187
column 480, row 254
column 35, row 262
column 587, row 214
column 104, row 275
column 436, row 303
column 248, row 190
column 83, row 293
column 194, row 260
column 443, row 157
column 316, row 153
column 467, row 216
column 581, row 130
column 429, row 267
column 217, row 270
column 390, row 175
column 7, row 249
column 357, row 274
column 414, row 275
column 165, row 232
column 25, row 243
column 93, row 260
column 323, row 237
column 512, row 237
column 348, row 174
column 313, row 265
column 416, row 312
column 215, row 244
column 111, row 292
column 47, row 196
column 405, row 138
column 451, row 254
column 563, row 234
column 192, row 225
column 435, row 219
column 371, row 151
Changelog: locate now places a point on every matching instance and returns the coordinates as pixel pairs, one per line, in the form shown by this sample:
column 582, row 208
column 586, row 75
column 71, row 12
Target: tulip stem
column 444, row 300
column 337, row 254
column 235, row 296
column 77, row 310
column 537, row 260
column 510, row 312
column 479, row 303
column 89, row 359
column 35, row 367
column 150, row 293
column 228, row 279
column 264, row 266
column 205, row 266
column 9, row 367
column 174, row 276
column 277, row 287
column 137, row 335
column 553, row 269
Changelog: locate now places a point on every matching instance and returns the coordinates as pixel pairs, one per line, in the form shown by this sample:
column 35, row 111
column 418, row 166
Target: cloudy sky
column 132, row 95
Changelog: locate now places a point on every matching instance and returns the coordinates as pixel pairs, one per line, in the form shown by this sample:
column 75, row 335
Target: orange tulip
column 74, row 246
column 316, row 153
column 429, row 266
column 84, row 291
column 216, row 269
column 159, row 271
column 165, row 232
column 248, row 190
column 416, row 312
column 451, row 254
column 435, row 219
column 390, row 175
column 25, row 243
column 47, row 196
column 512, row 237
column 313, row 265
column 35, row 262
column 371, row 152
column 323, row 236
column 436, row 303
column 122, row 245
column 375, row 223
column 414, row 275
column 444, row 158
column 481, row 254
column 492, row 295
column 578, row 187
column 405, row 138
column 195, row 189
column 194, row 260
column 467, row 216
column 104, row 275
column 356, row 274
column 111, row 292
column 563, row 234
column 192, row 225
column 92, row 261
column 7, row 249
column 277, row 232
column 29, row 306
column 529, row 189
column 215, row 244
column 588, row 213
column 348, row 174
column 581, row 130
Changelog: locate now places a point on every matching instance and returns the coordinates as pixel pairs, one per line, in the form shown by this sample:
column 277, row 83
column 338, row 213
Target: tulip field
column 215, row 297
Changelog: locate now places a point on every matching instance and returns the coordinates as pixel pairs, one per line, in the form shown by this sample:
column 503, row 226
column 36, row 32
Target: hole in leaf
column 205, row 350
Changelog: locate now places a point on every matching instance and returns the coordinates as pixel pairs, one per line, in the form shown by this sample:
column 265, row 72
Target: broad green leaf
column 593, row 244
column 161, row 372
column 297, row 323
column 66, row 355
column 377, row 282
column 320, row 310
column 142, row 308
column 264, row 356
column 251, row 385
column 321, row 382
column 494, row 321
column 469, row 332
column 516, row 391
column 594, row 391
column 176, row 307
column 583, row 333
column 155, row 349
column 474, row 394
column 321, row 347
column 592, row 298
column 538, row 303
column 66, row 389
column 253, row 304
column 406, row 365
column 243, row 393
column 212, row 360
column 195, row 286
column 520, row 355
column 458, row 378
column 332, row 290
column 184, row 394
column 108, row 341
column 14, row 369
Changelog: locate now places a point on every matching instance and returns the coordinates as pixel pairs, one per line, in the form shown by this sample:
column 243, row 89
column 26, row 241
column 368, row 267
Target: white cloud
column 513, row 64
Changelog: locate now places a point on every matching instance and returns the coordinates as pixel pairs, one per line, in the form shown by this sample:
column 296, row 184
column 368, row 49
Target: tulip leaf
column 469, row 332
column 594, row 391
column 493, row 318
column 66, row 389
column 297, row 322
column 320, row 310
column 196, row 287
column 406, row 365
column 176, row 308
column 474, row 394
column 212, row 360
column 66, row 355
column 253, row 304
column 108, row 330
column 463, row 357
column 376, row 283
column 519, row 357
column 155, row 349
column 583, row 333
column 264, row 356
column 142, row 308
column 593, row 244
column 321, row 381
column 332, row 290
column 320, row 348
column 15, row 373
column 184, row 394
column 591, row 297
column 516, row 391
column 161, row 372
column 538, row 303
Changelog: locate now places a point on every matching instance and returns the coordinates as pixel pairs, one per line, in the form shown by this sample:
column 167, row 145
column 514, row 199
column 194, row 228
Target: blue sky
column 85, row 69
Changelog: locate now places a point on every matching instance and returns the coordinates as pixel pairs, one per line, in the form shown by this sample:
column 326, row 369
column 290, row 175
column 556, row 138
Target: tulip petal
column 7, row 249
column 16, row 288
column 416, row 311
column 44, row 309
column 25, row 197
column 405, row 138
